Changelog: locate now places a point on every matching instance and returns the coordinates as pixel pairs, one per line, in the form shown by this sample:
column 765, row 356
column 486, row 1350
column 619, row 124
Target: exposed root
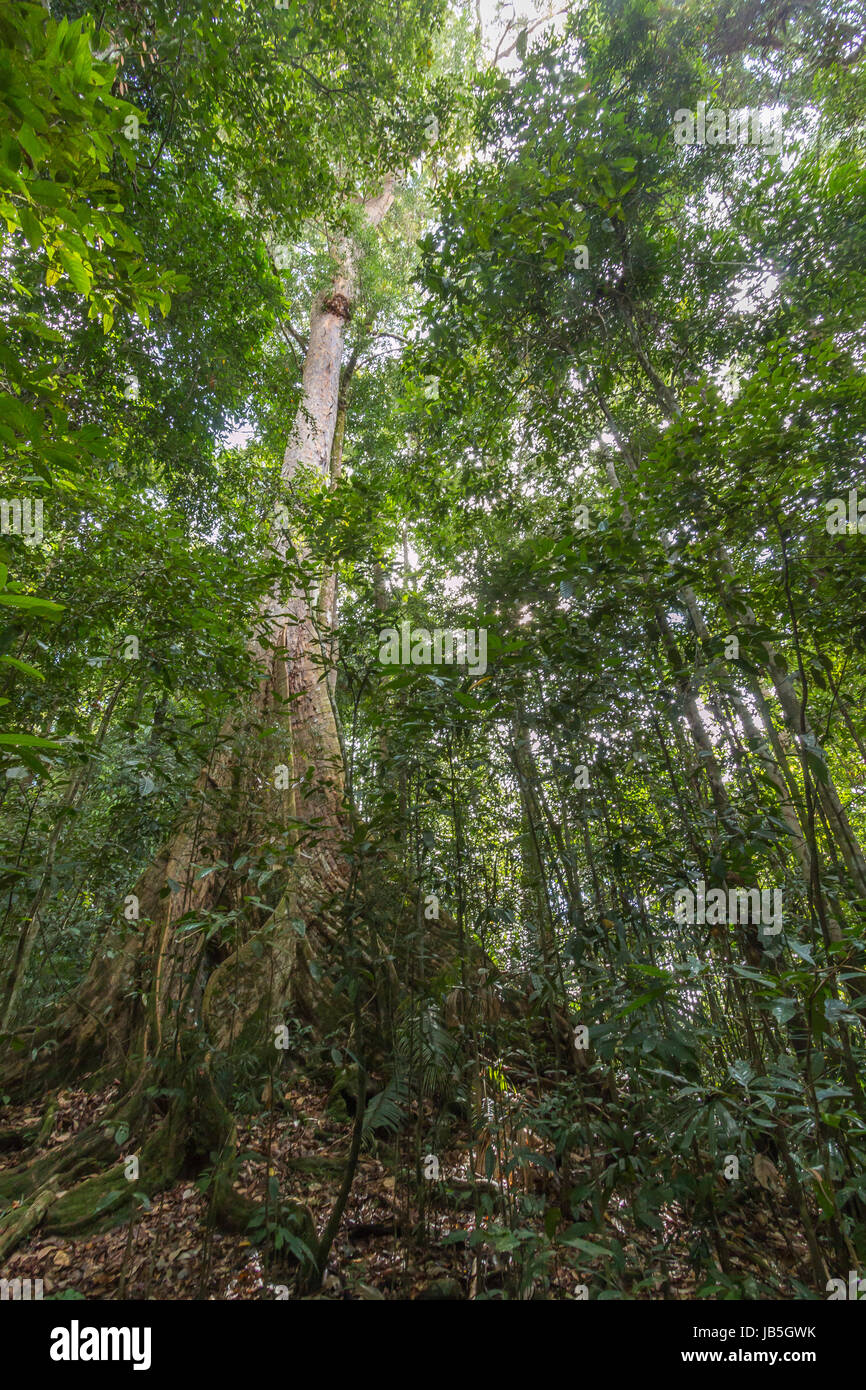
column 19, row 1222
column 84, row 1187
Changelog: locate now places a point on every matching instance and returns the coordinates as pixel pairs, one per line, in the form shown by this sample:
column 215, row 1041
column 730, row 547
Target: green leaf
column 76, row 270
column 30, row 226
column 22, row 666
column 38, row 606
column 31, row 143
column 784, row 1009
column 28, row 741
column 587, row 1246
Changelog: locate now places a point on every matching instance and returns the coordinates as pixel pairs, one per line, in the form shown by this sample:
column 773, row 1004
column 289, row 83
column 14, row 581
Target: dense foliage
column 603, row 399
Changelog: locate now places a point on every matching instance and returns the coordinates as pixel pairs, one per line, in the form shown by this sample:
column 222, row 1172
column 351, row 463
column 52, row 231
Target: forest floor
column 172, row 1251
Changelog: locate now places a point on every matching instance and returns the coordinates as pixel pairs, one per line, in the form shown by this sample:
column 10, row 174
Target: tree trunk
column 200, row 969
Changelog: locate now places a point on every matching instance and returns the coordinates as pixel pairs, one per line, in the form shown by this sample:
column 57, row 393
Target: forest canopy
column 432, row 650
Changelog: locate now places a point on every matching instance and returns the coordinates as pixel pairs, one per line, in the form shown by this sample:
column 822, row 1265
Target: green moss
column 94, row 1204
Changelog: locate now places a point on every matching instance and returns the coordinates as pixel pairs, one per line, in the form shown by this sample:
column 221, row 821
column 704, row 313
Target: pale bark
column 147, row 985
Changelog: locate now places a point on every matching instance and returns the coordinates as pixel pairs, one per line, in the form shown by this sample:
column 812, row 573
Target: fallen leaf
column 766, row 1173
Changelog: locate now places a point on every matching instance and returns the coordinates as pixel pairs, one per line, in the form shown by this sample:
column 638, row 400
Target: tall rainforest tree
column 329, row 322
column 272, row 785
